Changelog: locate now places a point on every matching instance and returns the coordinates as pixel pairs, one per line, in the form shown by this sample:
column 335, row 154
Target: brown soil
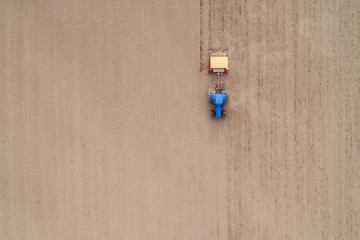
column 105, row 130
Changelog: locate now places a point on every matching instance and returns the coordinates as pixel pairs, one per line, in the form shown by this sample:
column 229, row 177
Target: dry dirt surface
column 105, row 131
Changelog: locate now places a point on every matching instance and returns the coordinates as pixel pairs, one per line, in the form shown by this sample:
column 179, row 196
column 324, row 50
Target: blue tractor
column 218, row 99
column 219, row 65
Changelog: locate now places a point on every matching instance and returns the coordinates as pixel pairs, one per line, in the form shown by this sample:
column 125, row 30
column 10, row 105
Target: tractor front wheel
column 224, row 114
column 212, row 113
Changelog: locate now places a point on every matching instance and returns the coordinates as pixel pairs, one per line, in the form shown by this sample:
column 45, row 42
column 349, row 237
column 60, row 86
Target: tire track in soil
column 281, row 154
column 204, row 32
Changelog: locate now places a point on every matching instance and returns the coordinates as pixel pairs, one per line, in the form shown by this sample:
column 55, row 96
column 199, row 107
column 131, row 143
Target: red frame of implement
column 211, row 71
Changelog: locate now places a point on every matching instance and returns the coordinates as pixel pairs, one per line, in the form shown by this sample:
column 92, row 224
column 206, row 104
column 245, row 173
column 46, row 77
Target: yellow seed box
column 219, row 62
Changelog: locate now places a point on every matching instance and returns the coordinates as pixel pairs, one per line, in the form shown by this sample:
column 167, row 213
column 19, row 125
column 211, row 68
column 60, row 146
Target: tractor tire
column 212, row 113
column 227, row 96
column 210, row 96
column 223, row 114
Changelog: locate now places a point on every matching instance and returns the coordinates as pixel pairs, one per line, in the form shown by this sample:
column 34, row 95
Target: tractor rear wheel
column 210, row 96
